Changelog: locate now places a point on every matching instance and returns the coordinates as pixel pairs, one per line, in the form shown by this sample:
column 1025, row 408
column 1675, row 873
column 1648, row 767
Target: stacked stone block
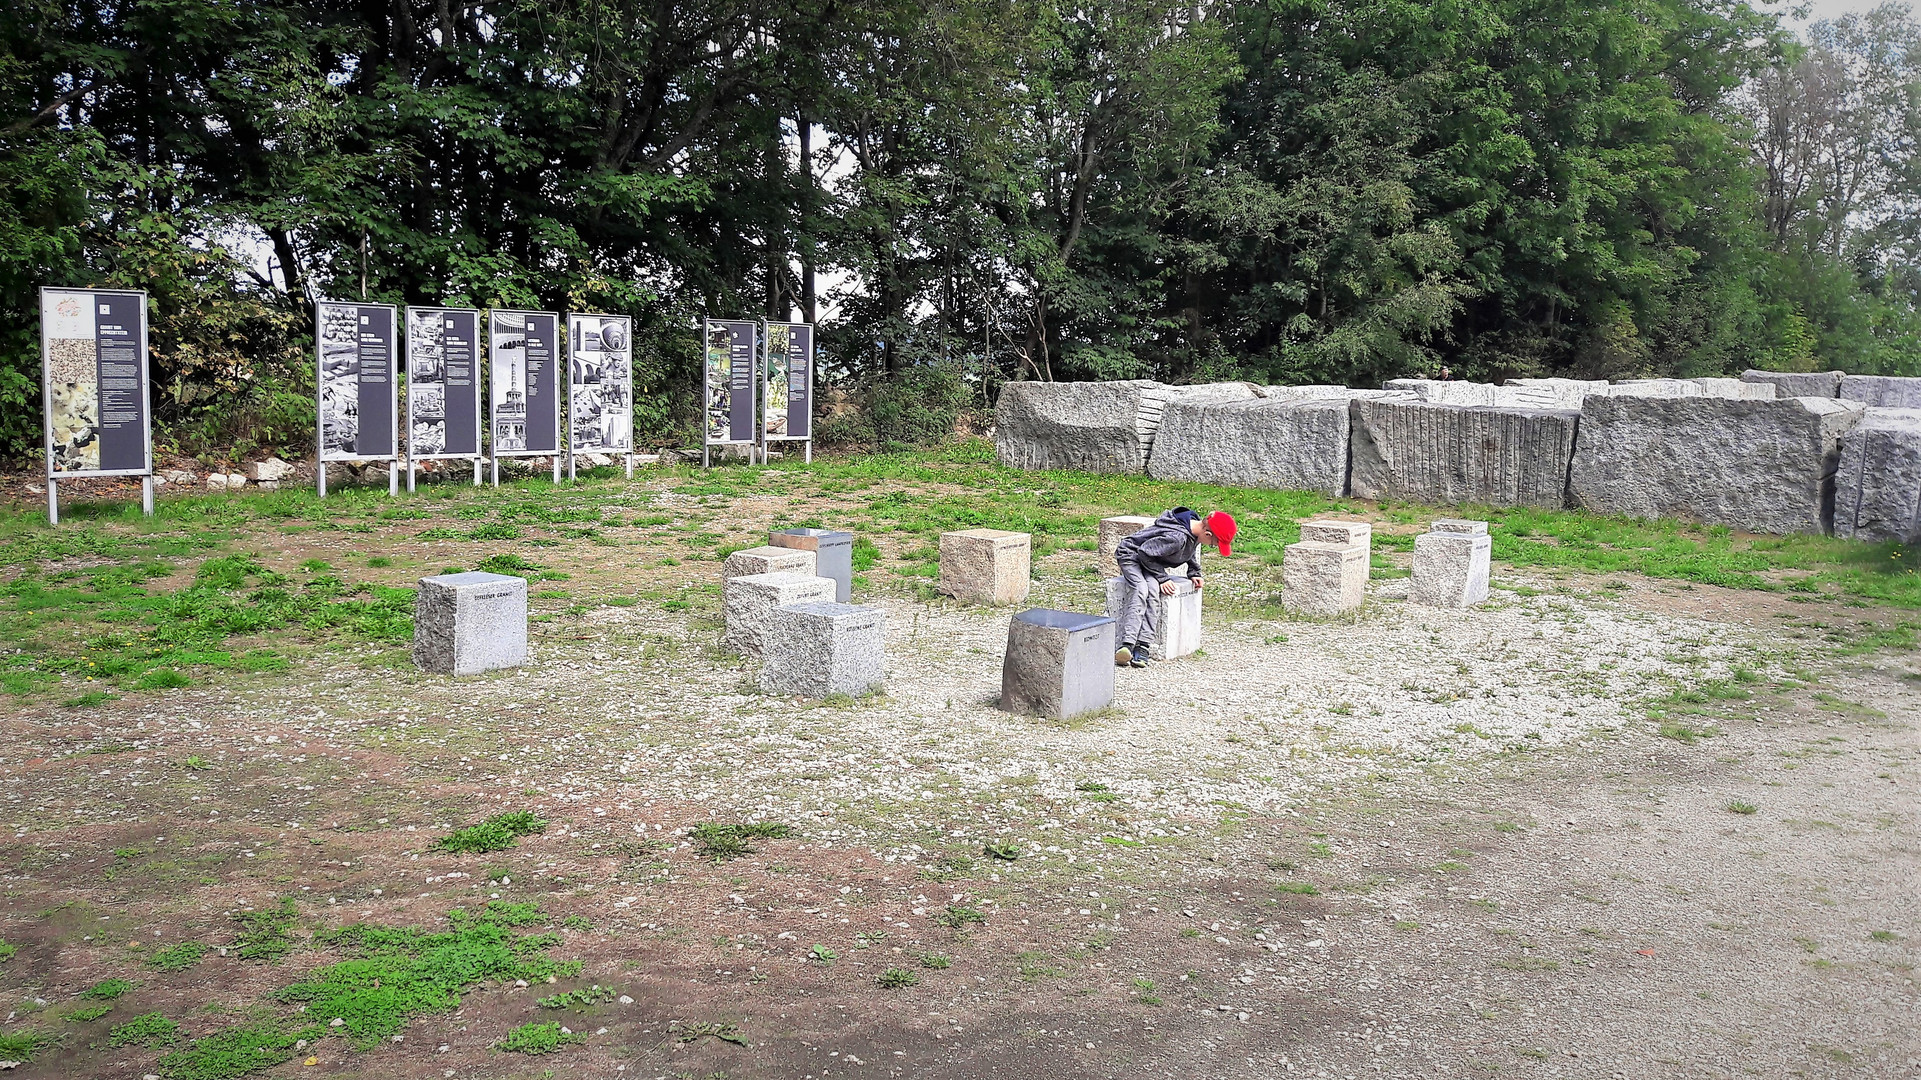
column 833, row 555
column 751, row 601
column 1178, row 628
column 768, row 560
column 1113, row 530
column 1326, row 572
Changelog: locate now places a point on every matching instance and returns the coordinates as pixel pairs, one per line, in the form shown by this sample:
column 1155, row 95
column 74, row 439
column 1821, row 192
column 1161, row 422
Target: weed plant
column 497, row 833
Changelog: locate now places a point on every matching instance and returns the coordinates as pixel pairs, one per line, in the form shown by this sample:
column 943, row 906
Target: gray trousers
column 1140, row 621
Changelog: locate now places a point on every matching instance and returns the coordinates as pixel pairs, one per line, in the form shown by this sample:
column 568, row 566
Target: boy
column 1149, row 560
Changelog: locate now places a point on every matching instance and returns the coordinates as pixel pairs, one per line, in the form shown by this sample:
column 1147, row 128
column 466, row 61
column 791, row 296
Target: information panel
column 93, row 351
column 524, row 382
column 601, row 412
column 359, row 388
column 443, row 383
column 789, row 395
column 732, row 360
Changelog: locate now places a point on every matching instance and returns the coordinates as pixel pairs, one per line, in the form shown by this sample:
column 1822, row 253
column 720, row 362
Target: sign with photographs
column 731, row 361
column 601, row 411
column 443, row 383
column 524, row 382
column 93, row 351
column 359, row 400
column 788, row 399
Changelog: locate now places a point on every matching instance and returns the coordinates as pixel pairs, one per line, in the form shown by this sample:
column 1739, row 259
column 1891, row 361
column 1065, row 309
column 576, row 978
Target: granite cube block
column 985, row 566
column 1113, row 530
column 1461, row 526
column 751, row 599
column 1059, row 664
column 1339, row 533
column 465, row 624
column 1451, row 568
column 1178, row 627
column 1319, row 578
column 833, row 555
column 822, row 648
column 768, row 560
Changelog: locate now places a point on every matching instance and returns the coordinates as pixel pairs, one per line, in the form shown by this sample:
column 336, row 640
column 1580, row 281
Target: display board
column 359, row 398
column 443, row 383
column 731, row 365
column 93, row 351
column 524, row 382
column 788, row 395
column 600, row 414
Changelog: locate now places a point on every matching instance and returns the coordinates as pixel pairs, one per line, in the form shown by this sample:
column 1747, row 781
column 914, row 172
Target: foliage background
column 968, row 191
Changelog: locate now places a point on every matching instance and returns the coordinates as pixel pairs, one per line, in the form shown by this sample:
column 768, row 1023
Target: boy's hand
column 1167, row 588
column 1197, row 583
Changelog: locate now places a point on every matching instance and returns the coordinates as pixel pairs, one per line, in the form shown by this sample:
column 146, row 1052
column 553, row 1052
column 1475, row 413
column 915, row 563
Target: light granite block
column 821, row 649
column 769, row 560
column 1878, row 488
column 1461, row 526
column 465, row 624
column 1059, row 664
column 1113, row 530
column 1798, row 383
column 1451, row 568
column 1339, row 533
column 986, row 566
column 751, row 600
column 1318, row 578
column 833, row 555
column 1178, row 625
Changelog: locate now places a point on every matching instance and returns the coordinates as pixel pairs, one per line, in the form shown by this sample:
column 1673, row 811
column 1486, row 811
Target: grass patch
column 897, row 978
column 497, row 833
column 177, row 957
column 957, row 916
column 22, row 1045
column 941, row 961
column 726, row 840
column 266, row 935
column 579, row 999
column 1007, row 851
column 88, row 1013
column 1298, row 888
column 1686, row 733
column 1739, row 807
column 537, row 1038
column 148, row 1029
column 106, row 989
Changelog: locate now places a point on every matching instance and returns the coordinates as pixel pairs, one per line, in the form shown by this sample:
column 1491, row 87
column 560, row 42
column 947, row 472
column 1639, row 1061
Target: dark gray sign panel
column 93, row 349
column 731, row 365
column 789, row 397
column 356, row 346
column 443, row 383
column 525, row 382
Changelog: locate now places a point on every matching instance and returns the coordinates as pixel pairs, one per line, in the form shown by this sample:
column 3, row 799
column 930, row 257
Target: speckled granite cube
column 1059, row 664
column 1319, row 578
column 768, row 560
column 833, row 553
column 1451, row 568
column 821, row 649
column 465, row 624
column 1339, row 533
column 1459, row 526
column 1112, row 531
column 750, row 601
column 986, row 566
column 1178, row 630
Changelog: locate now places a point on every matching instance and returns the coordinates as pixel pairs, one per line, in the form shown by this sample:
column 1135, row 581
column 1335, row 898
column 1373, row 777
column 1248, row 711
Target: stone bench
column 986, row 566
column 769, row 560
column 465, row 624
column 821, row 649
column 1059, row 664
column 1179, row 626
column 1451, row 564
column 833, row 555
column 751, row 600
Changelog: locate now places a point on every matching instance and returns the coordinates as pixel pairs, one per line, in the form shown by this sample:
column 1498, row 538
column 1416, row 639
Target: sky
column 1821, row 9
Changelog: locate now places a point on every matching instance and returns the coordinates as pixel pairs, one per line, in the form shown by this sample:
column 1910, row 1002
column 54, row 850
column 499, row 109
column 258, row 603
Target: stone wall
column 1444, row 454
column 1288, row 445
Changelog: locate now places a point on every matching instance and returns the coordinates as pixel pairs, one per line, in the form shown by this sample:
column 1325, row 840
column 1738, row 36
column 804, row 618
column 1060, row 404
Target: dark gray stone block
column 1878, row 487
column 833, row 555
column 1059, row 664
column 1442, row 454
column 1760, row 466
column 465, row 624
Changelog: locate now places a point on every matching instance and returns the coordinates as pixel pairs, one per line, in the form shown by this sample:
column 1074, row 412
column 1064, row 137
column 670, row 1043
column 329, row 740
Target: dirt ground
column 1593, row 829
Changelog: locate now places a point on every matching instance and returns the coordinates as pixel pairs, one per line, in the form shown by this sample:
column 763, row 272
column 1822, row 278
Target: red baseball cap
column 1221, row 524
